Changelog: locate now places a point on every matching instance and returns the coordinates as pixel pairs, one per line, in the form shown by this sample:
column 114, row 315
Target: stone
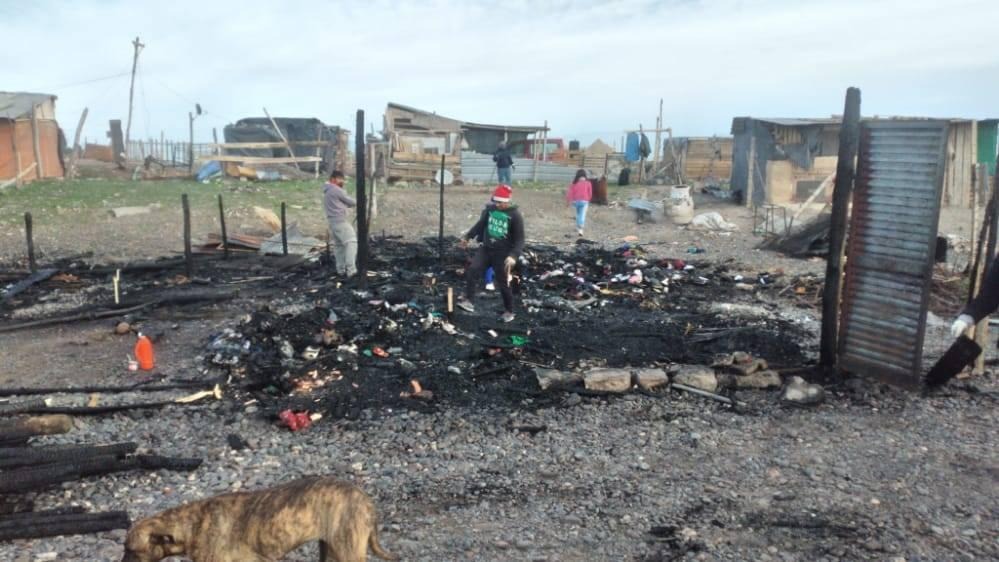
column 648, row 379
column 801, row 392
column 553, row 378
column 759, row 379
column 697, row 376
column 608, row 380
column 122, row 328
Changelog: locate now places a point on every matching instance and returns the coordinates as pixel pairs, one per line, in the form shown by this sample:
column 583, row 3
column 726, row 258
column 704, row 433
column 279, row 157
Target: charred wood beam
column 138, row 387
column 15, row 504
column 45, row 524
column 32, row 279
column 849, row 142
column 11, row 408
column 14, row 457
column 38, row 477
column 101, row 410
column 173, row 300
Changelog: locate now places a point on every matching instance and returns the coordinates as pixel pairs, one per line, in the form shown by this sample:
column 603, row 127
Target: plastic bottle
column 144, row 352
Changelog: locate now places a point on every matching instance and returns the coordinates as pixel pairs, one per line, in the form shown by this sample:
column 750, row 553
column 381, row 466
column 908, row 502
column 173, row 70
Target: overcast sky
column 592, row 69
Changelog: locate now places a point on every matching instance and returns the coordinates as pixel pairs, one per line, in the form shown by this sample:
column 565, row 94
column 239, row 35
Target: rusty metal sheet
column 890, row 250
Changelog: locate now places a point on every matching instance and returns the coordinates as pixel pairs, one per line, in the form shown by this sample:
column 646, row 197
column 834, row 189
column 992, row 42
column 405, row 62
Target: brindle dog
column 263, row 526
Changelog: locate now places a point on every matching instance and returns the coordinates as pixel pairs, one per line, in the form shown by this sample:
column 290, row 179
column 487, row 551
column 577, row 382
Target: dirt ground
column 874, row 473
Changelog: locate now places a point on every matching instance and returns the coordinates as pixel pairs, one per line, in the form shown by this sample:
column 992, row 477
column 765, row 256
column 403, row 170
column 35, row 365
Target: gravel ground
column 872, row 473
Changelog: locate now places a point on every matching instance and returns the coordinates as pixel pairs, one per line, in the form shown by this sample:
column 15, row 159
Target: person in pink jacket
column 578, row 195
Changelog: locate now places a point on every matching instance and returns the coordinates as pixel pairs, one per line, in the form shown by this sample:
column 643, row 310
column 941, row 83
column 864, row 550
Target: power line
column 84, row 82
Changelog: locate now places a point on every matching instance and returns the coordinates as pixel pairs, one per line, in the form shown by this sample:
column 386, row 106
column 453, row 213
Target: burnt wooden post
column 849, row 140
column 28, row 234
column 190, row 143
column 362, row 202
column 117, row 142
column 440, row 232
column 284, row 231
column 188, row 258
column 225, row 238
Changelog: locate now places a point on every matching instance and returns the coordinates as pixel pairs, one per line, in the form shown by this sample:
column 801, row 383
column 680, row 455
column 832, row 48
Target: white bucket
column 681, row 208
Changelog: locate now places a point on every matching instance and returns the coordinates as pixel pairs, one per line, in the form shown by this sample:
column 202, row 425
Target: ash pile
column 352, row 352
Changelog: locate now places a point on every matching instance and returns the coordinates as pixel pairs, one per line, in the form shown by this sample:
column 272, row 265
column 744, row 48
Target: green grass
column 53, row 201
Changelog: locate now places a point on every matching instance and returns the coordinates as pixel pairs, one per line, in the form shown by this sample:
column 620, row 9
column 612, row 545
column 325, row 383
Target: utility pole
column 131, row 88
column 655, row 151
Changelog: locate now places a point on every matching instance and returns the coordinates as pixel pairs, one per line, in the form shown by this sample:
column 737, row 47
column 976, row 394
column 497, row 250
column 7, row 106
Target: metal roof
column 508, row 128
column 469, row 124
column 797, row 122
column 14, row 105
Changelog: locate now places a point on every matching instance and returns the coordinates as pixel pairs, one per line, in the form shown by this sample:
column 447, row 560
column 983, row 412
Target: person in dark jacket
column 981, row 306
column 504, row 164
column 500, row 229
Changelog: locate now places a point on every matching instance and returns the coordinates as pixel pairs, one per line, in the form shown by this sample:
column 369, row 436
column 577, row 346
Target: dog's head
column 150, row 540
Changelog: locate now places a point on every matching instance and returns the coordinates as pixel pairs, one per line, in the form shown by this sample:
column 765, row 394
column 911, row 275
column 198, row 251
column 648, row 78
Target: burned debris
column 349, row 351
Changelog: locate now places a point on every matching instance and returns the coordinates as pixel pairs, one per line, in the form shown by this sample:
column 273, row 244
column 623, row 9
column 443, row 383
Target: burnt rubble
column 342, row 350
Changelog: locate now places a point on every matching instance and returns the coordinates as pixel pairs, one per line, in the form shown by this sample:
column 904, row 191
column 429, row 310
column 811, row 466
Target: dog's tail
column 376, row 548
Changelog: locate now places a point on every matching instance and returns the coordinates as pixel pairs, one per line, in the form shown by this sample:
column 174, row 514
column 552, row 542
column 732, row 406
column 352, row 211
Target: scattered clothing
column 631, row 148
column 644, row 146
column 987, row 300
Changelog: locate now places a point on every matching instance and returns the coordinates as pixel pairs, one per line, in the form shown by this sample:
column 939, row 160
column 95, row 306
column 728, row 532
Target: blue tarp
column 208, row 170
column 631, row 148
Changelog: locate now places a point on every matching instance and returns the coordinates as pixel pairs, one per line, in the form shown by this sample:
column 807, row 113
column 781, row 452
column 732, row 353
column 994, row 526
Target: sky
column 590, row 69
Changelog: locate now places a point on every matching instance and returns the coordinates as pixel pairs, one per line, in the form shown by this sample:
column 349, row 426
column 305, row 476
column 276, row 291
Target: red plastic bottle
column 144, row 352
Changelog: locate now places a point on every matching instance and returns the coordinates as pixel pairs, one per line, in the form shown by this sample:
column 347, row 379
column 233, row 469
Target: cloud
column 589, row 68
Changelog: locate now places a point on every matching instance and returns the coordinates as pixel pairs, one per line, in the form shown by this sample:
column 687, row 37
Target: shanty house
column 700, row 159
column 484, row 139
column 780, row 161
column 416, row 139
column 30, row 139
column 783, row 161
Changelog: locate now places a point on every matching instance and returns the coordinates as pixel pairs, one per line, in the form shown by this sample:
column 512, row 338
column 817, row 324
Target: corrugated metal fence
column 480, row 167
column 890, row 252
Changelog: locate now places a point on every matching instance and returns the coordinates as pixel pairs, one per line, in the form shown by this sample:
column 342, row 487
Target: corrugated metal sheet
column 988, row 143
column 480, row 167
column 893, row 226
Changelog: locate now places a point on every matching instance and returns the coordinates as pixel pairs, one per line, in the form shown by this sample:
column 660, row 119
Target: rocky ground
column 871, row 473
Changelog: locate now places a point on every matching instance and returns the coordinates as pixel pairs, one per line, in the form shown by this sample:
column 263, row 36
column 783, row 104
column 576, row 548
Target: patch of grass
column 57, row 201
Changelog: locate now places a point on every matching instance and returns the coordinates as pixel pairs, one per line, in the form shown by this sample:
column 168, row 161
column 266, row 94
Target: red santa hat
column 502, row 193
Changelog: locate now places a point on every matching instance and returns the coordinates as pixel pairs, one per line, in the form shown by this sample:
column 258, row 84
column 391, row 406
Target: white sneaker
column 507, row 317
column 490, row 286
column 580, row 232
column 466, row 305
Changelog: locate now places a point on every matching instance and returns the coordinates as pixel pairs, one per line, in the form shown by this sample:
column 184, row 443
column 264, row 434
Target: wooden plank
column 39, row 171
column 17, row 178
column 236, row 145
column 17, row 155
column 259, row 159
column 849, row 139
column 280, row 134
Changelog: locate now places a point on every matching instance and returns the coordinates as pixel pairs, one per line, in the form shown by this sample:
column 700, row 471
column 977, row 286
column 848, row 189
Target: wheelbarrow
column 643, row 209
